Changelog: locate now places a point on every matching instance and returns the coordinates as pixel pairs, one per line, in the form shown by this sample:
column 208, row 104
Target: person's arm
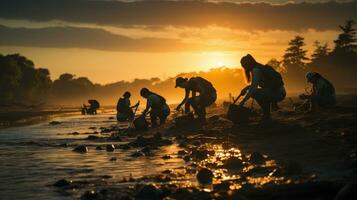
column 256, row 76
column 136, row 105
column 187, row 94
column 148, row 106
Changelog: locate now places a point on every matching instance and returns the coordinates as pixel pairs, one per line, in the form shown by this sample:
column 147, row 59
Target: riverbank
column 298, row 156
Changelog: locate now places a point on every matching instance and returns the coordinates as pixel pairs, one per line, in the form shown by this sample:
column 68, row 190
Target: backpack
column 272, row 78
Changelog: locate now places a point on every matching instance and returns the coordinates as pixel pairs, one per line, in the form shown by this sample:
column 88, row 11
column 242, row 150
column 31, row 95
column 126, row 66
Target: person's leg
column 153, row 117
column 187, row 105
column 261, row 97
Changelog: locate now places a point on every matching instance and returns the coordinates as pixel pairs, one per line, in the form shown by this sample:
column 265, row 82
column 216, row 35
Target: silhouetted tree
column 346, row 41
column 20, row 81
column 320, row 51
column 295, row 55
column 294, row 62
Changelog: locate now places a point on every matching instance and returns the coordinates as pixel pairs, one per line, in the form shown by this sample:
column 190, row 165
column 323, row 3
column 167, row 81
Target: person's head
column 144, row 92
column 127, row 95
column 311, row 77
column 181, row 82
column 248, row 63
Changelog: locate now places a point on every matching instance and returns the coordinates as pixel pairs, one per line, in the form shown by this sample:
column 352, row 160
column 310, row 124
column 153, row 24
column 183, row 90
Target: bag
column 238, row 114
column 141, row 124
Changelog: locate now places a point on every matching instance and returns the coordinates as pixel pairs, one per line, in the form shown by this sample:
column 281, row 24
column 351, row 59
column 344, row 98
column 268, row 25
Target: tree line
column 338, row 63
column 22, row 83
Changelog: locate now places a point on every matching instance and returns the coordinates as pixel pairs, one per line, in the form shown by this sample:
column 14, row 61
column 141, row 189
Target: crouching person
column 266, row 85
column 157, row 106
column 323, row 93
column 124, row 109
column 207, row 95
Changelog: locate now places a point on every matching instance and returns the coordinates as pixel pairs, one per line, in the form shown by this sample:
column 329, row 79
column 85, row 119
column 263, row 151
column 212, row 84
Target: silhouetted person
column 323, row 92
column 93, row 106
column 207, row 95
column 157, row 106
column 266, row 85
column 124, row 108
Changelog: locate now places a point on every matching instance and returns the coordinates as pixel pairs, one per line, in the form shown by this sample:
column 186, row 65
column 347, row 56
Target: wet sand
column 298, row 156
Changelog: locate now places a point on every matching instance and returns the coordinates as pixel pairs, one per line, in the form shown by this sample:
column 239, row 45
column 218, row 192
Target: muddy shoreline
column 298, row 156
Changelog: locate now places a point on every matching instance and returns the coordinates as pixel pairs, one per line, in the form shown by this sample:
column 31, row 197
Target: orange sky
column 106, row 52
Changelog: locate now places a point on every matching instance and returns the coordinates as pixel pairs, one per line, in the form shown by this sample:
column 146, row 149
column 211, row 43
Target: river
column 34, row 157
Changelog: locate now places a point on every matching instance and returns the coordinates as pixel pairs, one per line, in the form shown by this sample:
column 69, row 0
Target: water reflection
column 32, row 158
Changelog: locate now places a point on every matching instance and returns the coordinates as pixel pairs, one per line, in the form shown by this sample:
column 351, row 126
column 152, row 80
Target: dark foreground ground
column 298, row 156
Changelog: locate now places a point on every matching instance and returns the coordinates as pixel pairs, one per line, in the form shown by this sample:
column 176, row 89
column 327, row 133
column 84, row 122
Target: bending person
column 207, row 95
column 323, row 93
column 266, row 85
column 157, row 106
column 124, row 108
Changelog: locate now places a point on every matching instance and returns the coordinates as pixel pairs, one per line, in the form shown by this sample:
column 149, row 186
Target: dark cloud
column 90, row 38
column 260, row 16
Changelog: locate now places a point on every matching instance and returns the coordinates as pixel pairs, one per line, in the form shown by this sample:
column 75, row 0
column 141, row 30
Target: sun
column 220, row 64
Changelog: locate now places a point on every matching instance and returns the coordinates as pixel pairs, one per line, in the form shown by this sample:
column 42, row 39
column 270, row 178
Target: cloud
column 92, row 38
column 260, row 16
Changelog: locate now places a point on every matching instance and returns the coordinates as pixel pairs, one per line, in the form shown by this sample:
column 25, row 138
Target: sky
column 108, row 41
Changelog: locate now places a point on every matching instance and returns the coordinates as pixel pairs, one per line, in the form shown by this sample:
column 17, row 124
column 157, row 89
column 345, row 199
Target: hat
column 310, row 75
column 179, row 81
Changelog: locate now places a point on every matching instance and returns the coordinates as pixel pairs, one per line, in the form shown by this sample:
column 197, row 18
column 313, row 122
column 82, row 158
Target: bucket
column 141, row 124
column 238, row 114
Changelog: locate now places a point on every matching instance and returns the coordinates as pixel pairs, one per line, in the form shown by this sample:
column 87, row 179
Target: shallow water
column 31, row 158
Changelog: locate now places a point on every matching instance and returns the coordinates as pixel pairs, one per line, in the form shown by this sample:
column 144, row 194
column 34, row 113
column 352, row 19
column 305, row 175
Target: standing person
column 323, row 93
column 266, row 85
column 124, row 108
column 207, row 95
column 157, row 106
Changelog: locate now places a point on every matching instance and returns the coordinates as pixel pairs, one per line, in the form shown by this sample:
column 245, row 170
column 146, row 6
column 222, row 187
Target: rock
column 81, row 149
column 55, row 123
column 166, row 157
column 63, row 145
column 90, row 195
column 199, row 154
column 113, row 159
column 74, row 133
column 110, row 117
column 256, row 158
column 204, row 176
column 233, row 163
column 93, row 137
column 181, row 152
column 110, row 148
column 149, row 192
column 137, row 154
column 62, row 183
column 99, row 148
column 348, row 192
